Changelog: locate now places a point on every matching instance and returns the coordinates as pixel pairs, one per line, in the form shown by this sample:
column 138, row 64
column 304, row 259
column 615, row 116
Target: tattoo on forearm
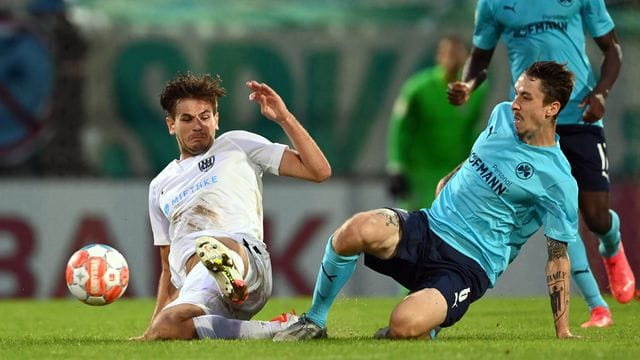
column 557, row 285
column 558, row 276
column 558, row 281
column 557, row 303
column 556, row 249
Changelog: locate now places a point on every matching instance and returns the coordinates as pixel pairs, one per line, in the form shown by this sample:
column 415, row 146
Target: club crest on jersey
column 565, row 3
column 207, row 163
column 524, row 170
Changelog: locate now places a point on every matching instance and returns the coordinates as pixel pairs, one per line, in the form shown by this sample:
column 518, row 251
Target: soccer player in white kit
column 206, row 213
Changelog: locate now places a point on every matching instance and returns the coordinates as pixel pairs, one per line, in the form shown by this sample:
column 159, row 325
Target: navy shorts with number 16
column 424, row 261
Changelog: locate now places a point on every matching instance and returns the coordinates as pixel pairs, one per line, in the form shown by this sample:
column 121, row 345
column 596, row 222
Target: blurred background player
column 554, row 30
column 448, row 255
column 427, row 135
column 206, row 213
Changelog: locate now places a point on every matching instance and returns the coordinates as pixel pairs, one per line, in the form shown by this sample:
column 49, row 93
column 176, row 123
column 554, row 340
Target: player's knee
column 598, row 222
column 168, row 326
column 595, row 213
column 405, row 326
column 158, row 331
column 351, row 235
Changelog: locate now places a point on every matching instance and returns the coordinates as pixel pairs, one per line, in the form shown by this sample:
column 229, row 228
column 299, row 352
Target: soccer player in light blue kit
column 554, row 30
column 450, row 254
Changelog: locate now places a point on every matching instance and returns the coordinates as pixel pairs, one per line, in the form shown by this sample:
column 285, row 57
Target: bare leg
column 594, row 207
column 606, row 225
column 417, row 314
column 175, row 323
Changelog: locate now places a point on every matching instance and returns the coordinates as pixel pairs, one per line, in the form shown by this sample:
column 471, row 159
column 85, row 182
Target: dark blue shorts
column 586, row 149
column 424, row 261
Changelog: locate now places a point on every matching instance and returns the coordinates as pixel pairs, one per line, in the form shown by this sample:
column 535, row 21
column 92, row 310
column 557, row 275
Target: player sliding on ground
column 206, row 213
column 555, row 31
column 450, row 254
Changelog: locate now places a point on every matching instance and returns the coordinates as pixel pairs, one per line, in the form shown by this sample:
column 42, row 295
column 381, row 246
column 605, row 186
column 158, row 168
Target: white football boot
column 216, row 258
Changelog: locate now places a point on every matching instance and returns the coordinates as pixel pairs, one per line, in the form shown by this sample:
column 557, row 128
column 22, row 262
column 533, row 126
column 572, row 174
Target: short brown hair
column 556, row 81
column 189, row 86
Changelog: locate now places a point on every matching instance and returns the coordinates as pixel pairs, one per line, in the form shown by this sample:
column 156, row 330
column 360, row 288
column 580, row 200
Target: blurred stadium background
column 82, row 134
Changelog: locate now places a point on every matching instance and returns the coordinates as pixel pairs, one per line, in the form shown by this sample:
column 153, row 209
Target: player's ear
column 216, row 118
column 170, row 125
column 553, row 109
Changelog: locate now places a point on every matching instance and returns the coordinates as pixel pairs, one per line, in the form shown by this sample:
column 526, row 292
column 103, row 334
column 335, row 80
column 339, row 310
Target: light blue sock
column 335, row 271
column 582, row 276
column 609, row 242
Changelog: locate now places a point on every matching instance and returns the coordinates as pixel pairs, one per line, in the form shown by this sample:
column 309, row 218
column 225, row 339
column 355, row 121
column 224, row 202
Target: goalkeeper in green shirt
column 428, row 136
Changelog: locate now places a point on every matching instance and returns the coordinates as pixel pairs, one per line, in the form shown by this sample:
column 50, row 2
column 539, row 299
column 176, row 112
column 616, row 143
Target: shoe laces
column 284, row 317
column 304, row 319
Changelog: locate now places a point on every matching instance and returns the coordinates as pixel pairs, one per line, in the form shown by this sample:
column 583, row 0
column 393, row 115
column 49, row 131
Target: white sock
column 219, row 327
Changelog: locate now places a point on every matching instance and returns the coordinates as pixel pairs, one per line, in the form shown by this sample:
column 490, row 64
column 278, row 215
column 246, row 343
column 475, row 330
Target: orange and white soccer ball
column 97, row 274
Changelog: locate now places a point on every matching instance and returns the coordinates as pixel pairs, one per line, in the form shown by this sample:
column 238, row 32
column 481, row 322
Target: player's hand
column 567, row 335
column 594, row 105
column 458, row 92
column 271, row 105
column 138, row 338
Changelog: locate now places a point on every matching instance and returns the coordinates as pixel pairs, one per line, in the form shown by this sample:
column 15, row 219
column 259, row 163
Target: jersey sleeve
column 159, row 222
column 597, row 18
column 520, row 236
column 487, row 30
column 496, row 120
column 559, row 211
column 263, row 153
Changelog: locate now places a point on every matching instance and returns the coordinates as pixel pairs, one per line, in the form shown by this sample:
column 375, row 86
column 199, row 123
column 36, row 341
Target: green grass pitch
column 494, row 328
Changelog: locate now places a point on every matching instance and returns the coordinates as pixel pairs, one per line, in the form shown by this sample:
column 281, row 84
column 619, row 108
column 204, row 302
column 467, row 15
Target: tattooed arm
column 558, row 281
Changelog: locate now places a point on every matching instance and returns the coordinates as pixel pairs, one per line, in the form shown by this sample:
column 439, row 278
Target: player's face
column 533, row 120
column 194, row 125
column 451, row 55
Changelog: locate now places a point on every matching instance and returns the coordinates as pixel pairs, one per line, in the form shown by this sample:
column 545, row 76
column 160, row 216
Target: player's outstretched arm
column 446, row 178
column 558, row 281
column 305, row 160
column 594, row 102
column 166, row 291
column 474, row 74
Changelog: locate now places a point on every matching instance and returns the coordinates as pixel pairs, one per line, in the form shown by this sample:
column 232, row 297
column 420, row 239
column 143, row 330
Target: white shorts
column 201, row 289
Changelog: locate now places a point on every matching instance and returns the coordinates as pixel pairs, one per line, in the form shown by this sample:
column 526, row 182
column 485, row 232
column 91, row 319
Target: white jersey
column 217, row 193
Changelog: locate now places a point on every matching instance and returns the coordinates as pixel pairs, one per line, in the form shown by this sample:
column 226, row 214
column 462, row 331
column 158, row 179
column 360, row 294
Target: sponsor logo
column 565, row 3
column 511, row 8
column 461, row 296
column 183, row 194
column 540, row 27
column 491, row 175
column 490, row 131
column 330, row 277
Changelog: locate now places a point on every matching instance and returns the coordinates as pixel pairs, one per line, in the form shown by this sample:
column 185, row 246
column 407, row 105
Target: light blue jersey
column 521, row 235
column 503, row 186
column 545, row 30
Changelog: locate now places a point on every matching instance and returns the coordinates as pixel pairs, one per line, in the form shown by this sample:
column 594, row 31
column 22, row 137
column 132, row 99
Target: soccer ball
column 97, row 274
